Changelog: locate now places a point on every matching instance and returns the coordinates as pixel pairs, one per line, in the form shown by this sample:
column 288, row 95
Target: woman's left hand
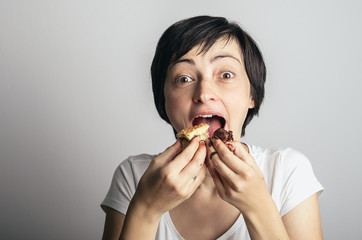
column 236, row 175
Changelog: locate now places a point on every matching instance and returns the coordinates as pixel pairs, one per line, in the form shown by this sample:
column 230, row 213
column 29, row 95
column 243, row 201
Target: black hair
column 204, row 31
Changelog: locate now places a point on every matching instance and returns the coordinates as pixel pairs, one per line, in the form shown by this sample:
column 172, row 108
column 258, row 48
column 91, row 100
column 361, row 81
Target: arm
column 115, row 221
column 113, row 224
column 301, row 223
column 304, row 221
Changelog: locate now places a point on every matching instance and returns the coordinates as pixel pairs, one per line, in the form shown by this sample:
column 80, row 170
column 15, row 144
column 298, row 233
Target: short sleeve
column 299, row 180
column 124, row 182
column 122, row 188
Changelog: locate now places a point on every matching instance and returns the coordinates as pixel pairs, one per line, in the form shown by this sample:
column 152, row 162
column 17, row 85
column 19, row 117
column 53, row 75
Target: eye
column 183, row 79
column 226, row 75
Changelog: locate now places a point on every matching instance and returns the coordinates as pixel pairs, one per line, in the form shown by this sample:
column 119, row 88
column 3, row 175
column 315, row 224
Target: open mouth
column 214, row 121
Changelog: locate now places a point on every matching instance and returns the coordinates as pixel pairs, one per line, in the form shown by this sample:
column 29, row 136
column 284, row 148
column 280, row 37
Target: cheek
column 239, row 111
column 175, row 109
column 238, row 104
column 169, row 101
column 171, row 105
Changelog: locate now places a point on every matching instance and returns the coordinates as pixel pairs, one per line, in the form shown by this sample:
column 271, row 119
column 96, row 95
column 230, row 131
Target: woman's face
column 210, row 87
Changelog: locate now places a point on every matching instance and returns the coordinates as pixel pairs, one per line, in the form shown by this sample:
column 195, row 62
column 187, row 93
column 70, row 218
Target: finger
column 230, row 146
column 195, row 171
column 211, row 152
column 219, row 183
column 210, row 149
column 228, row 158
column 182, row 159
column 197, row 162
column 220, row 166
column 242, row 152
column 196, row 180
column 170, row 152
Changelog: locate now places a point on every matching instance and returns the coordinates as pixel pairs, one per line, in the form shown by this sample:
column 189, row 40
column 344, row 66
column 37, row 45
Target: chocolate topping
column 223, row 135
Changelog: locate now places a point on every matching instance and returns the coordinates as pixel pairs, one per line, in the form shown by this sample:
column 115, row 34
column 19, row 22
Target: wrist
column 264, row 221
column 260, row 211
column 143, row 211
column 140, row 223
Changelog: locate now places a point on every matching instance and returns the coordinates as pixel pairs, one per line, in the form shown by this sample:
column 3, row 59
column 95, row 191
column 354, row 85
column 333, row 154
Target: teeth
column 205, row 116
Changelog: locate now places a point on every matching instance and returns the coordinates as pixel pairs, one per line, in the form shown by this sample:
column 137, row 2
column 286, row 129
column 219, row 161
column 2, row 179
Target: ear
column 251, row 102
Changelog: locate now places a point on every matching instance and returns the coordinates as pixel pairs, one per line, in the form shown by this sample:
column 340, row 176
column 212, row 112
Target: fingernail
column 210, row 142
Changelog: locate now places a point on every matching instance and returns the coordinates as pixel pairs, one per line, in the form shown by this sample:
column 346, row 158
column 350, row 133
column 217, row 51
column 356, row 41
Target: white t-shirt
column 288, row 174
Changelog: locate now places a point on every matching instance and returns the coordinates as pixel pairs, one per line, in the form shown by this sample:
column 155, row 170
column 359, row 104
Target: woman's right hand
column 169, row 180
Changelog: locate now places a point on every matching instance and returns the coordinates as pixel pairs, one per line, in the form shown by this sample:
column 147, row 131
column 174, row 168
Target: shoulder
column 136, row 164
column 125, row 180
column 132, row 168
column 289, row 175
column 137, row 160
column 281, row 157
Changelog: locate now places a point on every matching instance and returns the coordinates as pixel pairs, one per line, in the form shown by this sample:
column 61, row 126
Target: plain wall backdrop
column 76, row 100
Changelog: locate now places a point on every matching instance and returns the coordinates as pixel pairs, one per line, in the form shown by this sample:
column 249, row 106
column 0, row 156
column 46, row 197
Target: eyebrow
column 186, row 60
column 217, row 57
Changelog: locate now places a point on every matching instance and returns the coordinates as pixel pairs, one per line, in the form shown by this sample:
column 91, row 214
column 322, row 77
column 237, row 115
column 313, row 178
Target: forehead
column 222, row 47
column 223, row 44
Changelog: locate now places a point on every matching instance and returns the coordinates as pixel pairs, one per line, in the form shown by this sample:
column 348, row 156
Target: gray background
column 75, row 100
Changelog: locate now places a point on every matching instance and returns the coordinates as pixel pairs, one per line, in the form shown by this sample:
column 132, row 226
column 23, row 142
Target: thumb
column 170, row 152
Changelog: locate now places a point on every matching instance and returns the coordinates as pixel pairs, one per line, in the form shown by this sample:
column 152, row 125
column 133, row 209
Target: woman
column 207, row 69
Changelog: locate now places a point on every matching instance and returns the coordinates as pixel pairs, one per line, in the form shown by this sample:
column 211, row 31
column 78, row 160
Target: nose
column 205, row 91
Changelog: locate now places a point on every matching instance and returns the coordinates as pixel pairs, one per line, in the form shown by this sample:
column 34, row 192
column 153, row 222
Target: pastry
column 187, row 134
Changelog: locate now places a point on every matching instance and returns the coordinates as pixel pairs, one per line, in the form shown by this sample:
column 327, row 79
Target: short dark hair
column 182, row 36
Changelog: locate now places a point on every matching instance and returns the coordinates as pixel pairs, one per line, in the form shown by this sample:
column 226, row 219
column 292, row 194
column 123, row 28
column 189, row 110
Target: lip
column 209, row 112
